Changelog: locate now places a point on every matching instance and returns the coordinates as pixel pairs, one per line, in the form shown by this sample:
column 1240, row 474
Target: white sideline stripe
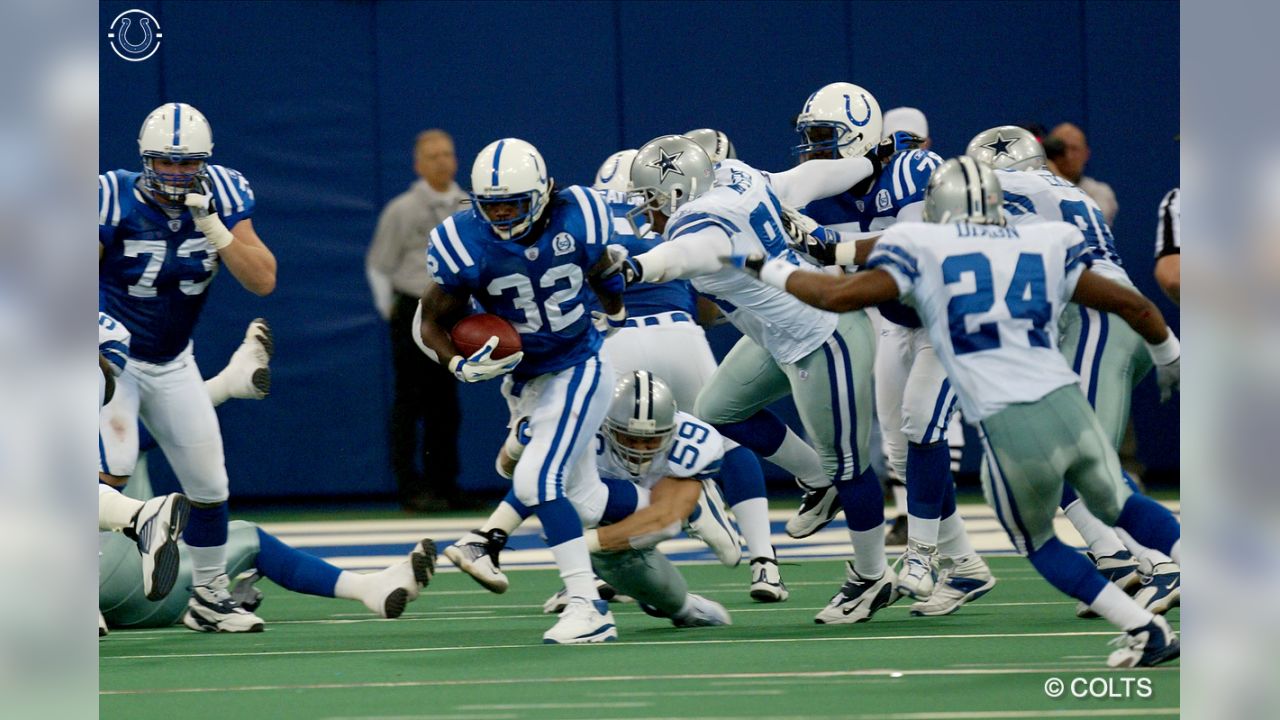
column 553, row 706
column 886, row 672
column 705, row 641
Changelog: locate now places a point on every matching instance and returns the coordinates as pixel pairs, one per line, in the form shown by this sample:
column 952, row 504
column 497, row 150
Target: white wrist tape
column 217, row 233
column 1166, row 352
column 846, row 252
column 775, row 273
column 593, row 540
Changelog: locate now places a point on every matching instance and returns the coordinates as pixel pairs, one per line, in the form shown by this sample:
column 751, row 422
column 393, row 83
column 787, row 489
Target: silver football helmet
column 641, row 420
column 714, row 143
column 963, row 190
column 1007, row 147
column 668, row 172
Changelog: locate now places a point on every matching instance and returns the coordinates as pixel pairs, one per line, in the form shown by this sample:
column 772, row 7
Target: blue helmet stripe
column 497, row 154
column 177, row 122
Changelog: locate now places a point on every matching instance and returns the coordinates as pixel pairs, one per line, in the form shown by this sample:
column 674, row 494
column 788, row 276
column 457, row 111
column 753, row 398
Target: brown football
column 473, row 331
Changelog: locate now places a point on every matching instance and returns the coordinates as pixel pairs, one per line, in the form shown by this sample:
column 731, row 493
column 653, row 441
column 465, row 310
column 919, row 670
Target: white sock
column 1141, row 552
column 504, row 518
column 753, row 521
column 351, row 585
column 1114, row 605
column 1100, row 538
column 207, row 563
column 868, row 552
column 217, row 388
column 115, row 511
column 800, row 459
column 953, row 541
column 575, row 568
column 922, row 530
column 900, row 499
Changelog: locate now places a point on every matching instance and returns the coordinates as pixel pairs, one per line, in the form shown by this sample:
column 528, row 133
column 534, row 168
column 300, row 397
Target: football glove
column 806, row 236
column 1169, row 377
column 204, row 212
column 621, row 263
column 892, row 145
column 480, row 367
column 608, row 324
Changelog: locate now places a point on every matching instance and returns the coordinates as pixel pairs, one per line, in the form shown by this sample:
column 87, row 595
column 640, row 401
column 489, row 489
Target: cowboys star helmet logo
column 1000, row 146
column 667, row 164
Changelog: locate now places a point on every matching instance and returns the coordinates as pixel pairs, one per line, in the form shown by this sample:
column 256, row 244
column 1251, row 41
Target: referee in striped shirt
column 1169, row 246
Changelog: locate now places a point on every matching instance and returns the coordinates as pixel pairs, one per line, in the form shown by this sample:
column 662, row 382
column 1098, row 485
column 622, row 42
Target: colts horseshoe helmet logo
column 134, row 35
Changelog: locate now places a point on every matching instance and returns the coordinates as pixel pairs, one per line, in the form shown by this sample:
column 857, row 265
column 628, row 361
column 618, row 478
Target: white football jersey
column 743, row 205
column 695, row 453
column 990, row 297
column 1040, row 196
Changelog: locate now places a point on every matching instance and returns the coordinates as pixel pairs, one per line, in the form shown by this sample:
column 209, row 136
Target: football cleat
column 557, row 602
column 395, row 587
column 714, row 527
column 818, row 507
column 766, row 581
column 1151, row 644
column 211, row 609
column 244, row 594
column 1161, row 588
column 859, row 599
column 701, row 612
column 102, row 625
column 476, row 554
column 1119, row 569
column 156, row 529
column 582, row 621
column 916, row 578
column 897, row 532
column 248, row 374
column 956, row 585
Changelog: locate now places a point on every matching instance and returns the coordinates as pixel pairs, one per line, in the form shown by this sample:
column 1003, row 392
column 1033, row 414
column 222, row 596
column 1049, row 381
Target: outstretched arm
column 829, row 292
column 671, row 501
column 817, row 179
column 1141, row 314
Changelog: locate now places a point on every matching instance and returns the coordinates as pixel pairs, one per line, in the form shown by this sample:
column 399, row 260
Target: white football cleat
column 858, row 599
column 248, row 375
column 211, row 609
column 1161, row 588
column 395, row 587
column 555, row 604
column 714, row 527
column 766, row 581
column 701, row 612
column 1120, row 569
column 583, row 621
column 957, row 584
column 916, row 577
column 1151, row 644
column 476, row 554
column 156, row 528
column 818, row 508
column 102, row 625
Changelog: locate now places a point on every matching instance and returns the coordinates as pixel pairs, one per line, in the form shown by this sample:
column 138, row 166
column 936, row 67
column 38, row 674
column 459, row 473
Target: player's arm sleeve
column 1076, row 260
column 695, row 249
column 235, row 197
column 596, row 219
column 1168, row 232
column 894, row 255
column 817, row 179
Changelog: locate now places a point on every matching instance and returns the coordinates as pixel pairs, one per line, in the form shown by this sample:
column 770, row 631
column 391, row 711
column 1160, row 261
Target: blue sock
column 623, row 500
column 1150, row 523
column 862, row 500
column 762, row 432
column 520, row 508
column 1068, row 570
column 560, row 521
column 1068, row 496
column 293, row 569
column 741, row 476
column 928, row 477
column 207, row 526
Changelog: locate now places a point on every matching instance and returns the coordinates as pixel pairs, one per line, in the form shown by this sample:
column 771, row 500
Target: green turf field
column 461, row 652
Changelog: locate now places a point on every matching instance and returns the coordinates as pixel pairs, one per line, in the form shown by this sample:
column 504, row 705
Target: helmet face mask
column 1007, row 147
column 175, row 142
column 641, row 421
column 963, row 190
column 839, row 120
column 510, row 189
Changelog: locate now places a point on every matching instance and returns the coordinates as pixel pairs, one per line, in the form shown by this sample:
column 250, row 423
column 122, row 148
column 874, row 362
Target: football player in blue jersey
column 662, row 335
column 532, row 254
column 914, row 399
column 162, row 235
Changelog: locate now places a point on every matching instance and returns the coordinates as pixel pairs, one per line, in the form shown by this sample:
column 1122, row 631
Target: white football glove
column 480, row 367
column 609, row 324
column 204, row 212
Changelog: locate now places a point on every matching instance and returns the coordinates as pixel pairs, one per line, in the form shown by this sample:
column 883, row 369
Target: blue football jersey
column 649, row 298
column 901, row 184
column 539, row 285
column 155, row 270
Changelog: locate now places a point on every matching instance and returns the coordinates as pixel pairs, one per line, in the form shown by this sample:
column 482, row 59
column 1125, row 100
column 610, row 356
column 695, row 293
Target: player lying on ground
column 988, row 294
column 657, row 465
column 124, row 603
